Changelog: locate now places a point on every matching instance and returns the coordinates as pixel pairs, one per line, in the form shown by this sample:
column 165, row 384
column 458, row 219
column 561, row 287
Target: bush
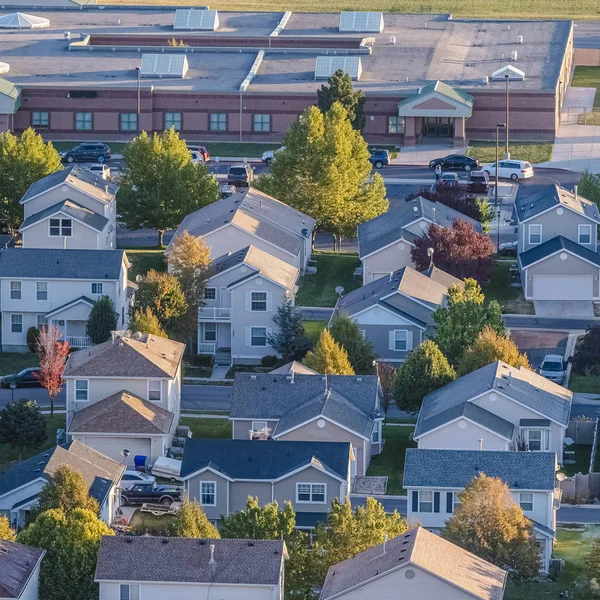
column 33, row 333
column 269, row 361
column 202, row 360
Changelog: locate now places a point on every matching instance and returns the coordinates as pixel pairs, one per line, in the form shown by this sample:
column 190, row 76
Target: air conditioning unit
column 514, row 55
column 520, row 39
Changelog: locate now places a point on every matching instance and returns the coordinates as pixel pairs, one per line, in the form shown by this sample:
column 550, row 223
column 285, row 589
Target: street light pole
column 506, row 154
column 496, row 206
column 139, row 99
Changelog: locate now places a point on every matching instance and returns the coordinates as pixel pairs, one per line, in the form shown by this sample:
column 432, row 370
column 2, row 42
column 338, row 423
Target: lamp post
column 506, row 153
column 139, row 100
column 499, row 126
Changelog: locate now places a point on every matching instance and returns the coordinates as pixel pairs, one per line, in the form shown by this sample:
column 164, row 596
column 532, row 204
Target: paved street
column 578, row 514
column 536, row 344
column 533, row 322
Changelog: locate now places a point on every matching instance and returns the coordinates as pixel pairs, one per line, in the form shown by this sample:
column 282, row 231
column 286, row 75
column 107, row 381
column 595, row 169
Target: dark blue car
column 379, row 158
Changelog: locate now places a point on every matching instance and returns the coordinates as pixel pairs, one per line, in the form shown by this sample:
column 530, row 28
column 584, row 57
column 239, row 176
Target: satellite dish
column 138, row 279
column 304, row 232
column 561, row 476
column 430, row 251
column 339, row 290
column 125, row 453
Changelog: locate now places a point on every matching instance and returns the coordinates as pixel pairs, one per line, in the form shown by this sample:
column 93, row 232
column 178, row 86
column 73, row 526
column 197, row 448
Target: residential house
column 250, row 217
column 311, row 408
column 43, row 286
column 416, row 564
column 497, row 407
column 240, row 300
column 293, row 367
column 385, row 242
column 19, row 571
column 434, row 479
column 125, row 394
column 221, row 474
column 21, row 485
column 395, row 312
column 558, row 246
column 70, row 209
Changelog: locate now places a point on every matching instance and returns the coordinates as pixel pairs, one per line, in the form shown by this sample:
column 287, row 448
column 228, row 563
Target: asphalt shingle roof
column 47, row 263
column 457, row 468
column 293, row 367
column 17, row 563
column 554, row 195
column 420, row 548
column 186, row 560
column 270, row 459
column 554, row 245
column 71, row 209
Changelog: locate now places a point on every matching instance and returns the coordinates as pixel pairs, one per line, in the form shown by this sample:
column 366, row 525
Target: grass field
column 142, row 260
column 13, row 362
column 587, row 77
column 534, row 152
column 582, row 460
column 149, row 523
column 208, row 428
column 585, row 384
column 510, row 298
column 313, row 329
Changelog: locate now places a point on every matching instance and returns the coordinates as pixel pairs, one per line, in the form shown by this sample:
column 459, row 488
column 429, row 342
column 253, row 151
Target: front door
column 438, row 126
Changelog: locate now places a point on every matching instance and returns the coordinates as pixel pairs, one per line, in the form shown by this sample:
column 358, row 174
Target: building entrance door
column 438, row 126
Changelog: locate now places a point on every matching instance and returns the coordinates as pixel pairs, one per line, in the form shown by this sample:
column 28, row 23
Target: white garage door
column 562, row 288
column 113, row 446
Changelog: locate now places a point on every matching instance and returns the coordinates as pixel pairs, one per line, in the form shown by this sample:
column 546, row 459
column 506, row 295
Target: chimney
column 575, row 191
column 292, row 376
column 211, row 562
column 481, row 443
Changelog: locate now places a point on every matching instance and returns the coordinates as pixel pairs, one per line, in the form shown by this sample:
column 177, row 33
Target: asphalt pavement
column 533, row 322
column 587, row 514
column 536, row 344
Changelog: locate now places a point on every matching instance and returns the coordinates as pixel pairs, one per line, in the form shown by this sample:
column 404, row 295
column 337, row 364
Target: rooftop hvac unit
column 393, row 40
column 486, row 80
column 4, row 68
column 514, row 55
column 520, row 39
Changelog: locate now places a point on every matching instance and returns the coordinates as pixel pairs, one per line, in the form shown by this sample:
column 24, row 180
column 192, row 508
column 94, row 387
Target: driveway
column 536, row 344
column 563, row 309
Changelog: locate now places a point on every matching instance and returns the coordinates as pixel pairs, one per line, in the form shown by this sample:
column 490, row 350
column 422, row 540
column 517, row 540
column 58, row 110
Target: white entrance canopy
column 513, row 73
column 23, row 21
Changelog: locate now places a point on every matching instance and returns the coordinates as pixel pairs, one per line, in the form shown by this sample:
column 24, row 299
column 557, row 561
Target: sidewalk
column 421, row 154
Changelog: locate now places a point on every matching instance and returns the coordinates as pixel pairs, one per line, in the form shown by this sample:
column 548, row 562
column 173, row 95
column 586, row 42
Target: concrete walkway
column 219, row 373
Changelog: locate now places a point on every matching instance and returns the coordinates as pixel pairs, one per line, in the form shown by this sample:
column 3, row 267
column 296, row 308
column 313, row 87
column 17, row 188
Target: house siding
column 379, row 336
column 192, row 487
column 386, row 260
column 286, row 490
column 455, row 437
column 241, row 490
column 64, row 192
column 82, row 238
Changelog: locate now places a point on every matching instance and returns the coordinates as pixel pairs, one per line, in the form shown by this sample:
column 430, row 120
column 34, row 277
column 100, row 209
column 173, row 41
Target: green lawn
column 208, row 428
column 582, row 460
column 13, row 362
column 585, row 384
column 510, row 298
column 535, row 152
column 313, row 329
column 332, row 270
column 144, row 522
column 391, row 461
column 142, row 260
column 587, row 77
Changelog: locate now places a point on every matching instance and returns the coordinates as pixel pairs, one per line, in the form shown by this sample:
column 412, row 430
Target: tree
column 387, row 379
column 22, row 425
column 586, row 359
column 66, row 491
column 162, row 293
column 53, row 354
column 488, row 347
column 102, row 320
column 190, row 521
column 160, row 184
column 458, row 250
column 324, row 171
column 189, row 259
column 328, row 357
column 459, row 323
column 346, row 332
column 425, row 370
column 145, row 321
column 23, row 160
column 71, row 542
column 33, row 333
column 589, row 186
column 6, row 531
column 491, row 525
column 290, row 340
column 339, row 89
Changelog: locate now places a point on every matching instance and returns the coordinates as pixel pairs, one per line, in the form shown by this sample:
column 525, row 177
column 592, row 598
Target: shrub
column 269, row 361
column 202, row 360
column 33, row 333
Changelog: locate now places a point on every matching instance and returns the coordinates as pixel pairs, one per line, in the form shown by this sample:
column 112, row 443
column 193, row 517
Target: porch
column 70, row 319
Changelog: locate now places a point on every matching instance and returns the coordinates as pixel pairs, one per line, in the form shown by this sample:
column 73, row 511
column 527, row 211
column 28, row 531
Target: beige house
column 125, row 394
column 416, row 564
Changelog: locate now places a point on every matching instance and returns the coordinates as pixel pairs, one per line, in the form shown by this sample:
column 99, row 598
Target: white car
column 130, row 478
column 553, row 368
column 269, row 156
column 197, row 158
column 510, row 169
column 101, row 170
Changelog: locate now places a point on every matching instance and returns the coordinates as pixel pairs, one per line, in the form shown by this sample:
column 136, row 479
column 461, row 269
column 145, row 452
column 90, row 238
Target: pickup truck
column 143, row 493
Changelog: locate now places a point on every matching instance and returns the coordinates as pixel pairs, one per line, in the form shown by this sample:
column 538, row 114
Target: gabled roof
column 423, row 549
column 265, row 460
column 78, row 178
column 527, row 207
column 17, row 564
column 71, row 209
column 258, row 214
column 555, row 245
column 512, row 72
column 48, row 263
column 80, row 300
column 293, row 367
column 143, row 355
column 389, row 227
column 441, row 277
column 99, row 472
column 457, row 468
column 122, row 413
column 187, row 560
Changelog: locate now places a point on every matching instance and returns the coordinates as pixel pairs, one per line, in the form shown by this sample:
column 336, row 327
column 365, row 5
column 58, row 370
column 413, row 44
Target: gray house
column 222, row 474
column 19, row 571
column 311, row 408
column 395, row 312
column 385, row 242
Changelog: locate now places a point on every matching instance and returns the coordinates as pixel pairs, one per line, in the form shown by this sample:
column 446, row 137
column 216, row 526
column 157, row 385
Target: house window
column 537, row 440
column 396, row 124
column 457, row 501
column 129, row 592
column 259, row 302
column 311, row 492
column 42, row 321
column 40, row 119
column 15, row 290
column 425, row 501
column 210, row 332
column 375, row 434
column 16, row 323
column 258, row 336
column 259, row 425
column 401, row 340
column 218, row 122
column 208, row 493
column 210, row 293
column 81, row 390
column 41, row 292
column 97, row 288
column 83, row 121
column 61, row 227
column 154, row 391
column 535, row 234
column 173, row 120
column 262, row 122
column 526, row 502
column 128, row 121
column 585, row 234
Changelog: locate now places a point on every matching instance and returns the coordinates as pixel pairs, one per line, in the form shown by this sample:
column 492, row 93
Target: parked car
column 478, row 182
column 130, row 478
column 269, row 156
column 455, row 161
column 240, row 175
column 379, row 158
column 101, row 170
column 510, row 169
column 227, row 190
column 449, row 179
column 87, row 153
column 197, row 158
column 553, row 368
column 25, row 378
column 202, row 150
column 140, row 493
column 167, row 467
column 508, row 248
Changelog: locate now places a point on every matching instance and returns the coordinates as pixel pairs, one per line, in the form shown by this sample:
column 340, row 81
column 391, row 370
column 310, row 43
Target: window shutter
column 392, row 339
column 415, row 501
column 269, row 301
column 449, row 502
column 248, row 340
column 248, row 302
column 436, row 502
column 409, row 340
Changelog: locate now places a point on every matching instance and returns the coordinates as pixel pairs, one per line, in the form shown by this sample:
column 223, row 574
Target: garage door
column 562, row 288
column 113, row 446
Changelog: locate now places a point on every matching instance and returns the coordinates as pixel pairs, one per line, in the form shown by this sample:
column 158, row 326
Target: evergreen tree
column 143, row 320
column 346, row 332
column 102, row 320
column 191, row 521
column 22, row 425
column 33, row 334
column 339, row 89
column 589, row 186
column 328, row 357
column 290, row 340
column 66, row 491
column 161, row 293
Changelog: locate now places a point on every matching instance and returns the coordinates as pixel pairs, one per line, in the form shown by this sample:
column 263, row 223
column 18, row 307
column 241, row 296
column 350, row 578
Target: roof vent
column 250, row 543
column 128, row 540
column 253, row 377
column 519, row 39
column 514, row 55
column 4, row 67
column 165, row 541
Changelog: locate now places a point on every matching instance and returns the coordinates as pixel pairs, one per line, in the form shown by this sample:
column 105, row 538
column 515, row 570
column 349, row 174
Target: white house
column 73, row 209
column 44, row 286
column 157, row 568
column 19, row 571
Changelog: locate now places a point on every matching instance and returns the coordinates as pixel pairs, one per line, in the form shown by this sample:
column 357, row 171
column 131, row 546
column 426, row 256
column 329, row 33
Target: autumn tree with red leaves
column 458, row 250
column 53, row 353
